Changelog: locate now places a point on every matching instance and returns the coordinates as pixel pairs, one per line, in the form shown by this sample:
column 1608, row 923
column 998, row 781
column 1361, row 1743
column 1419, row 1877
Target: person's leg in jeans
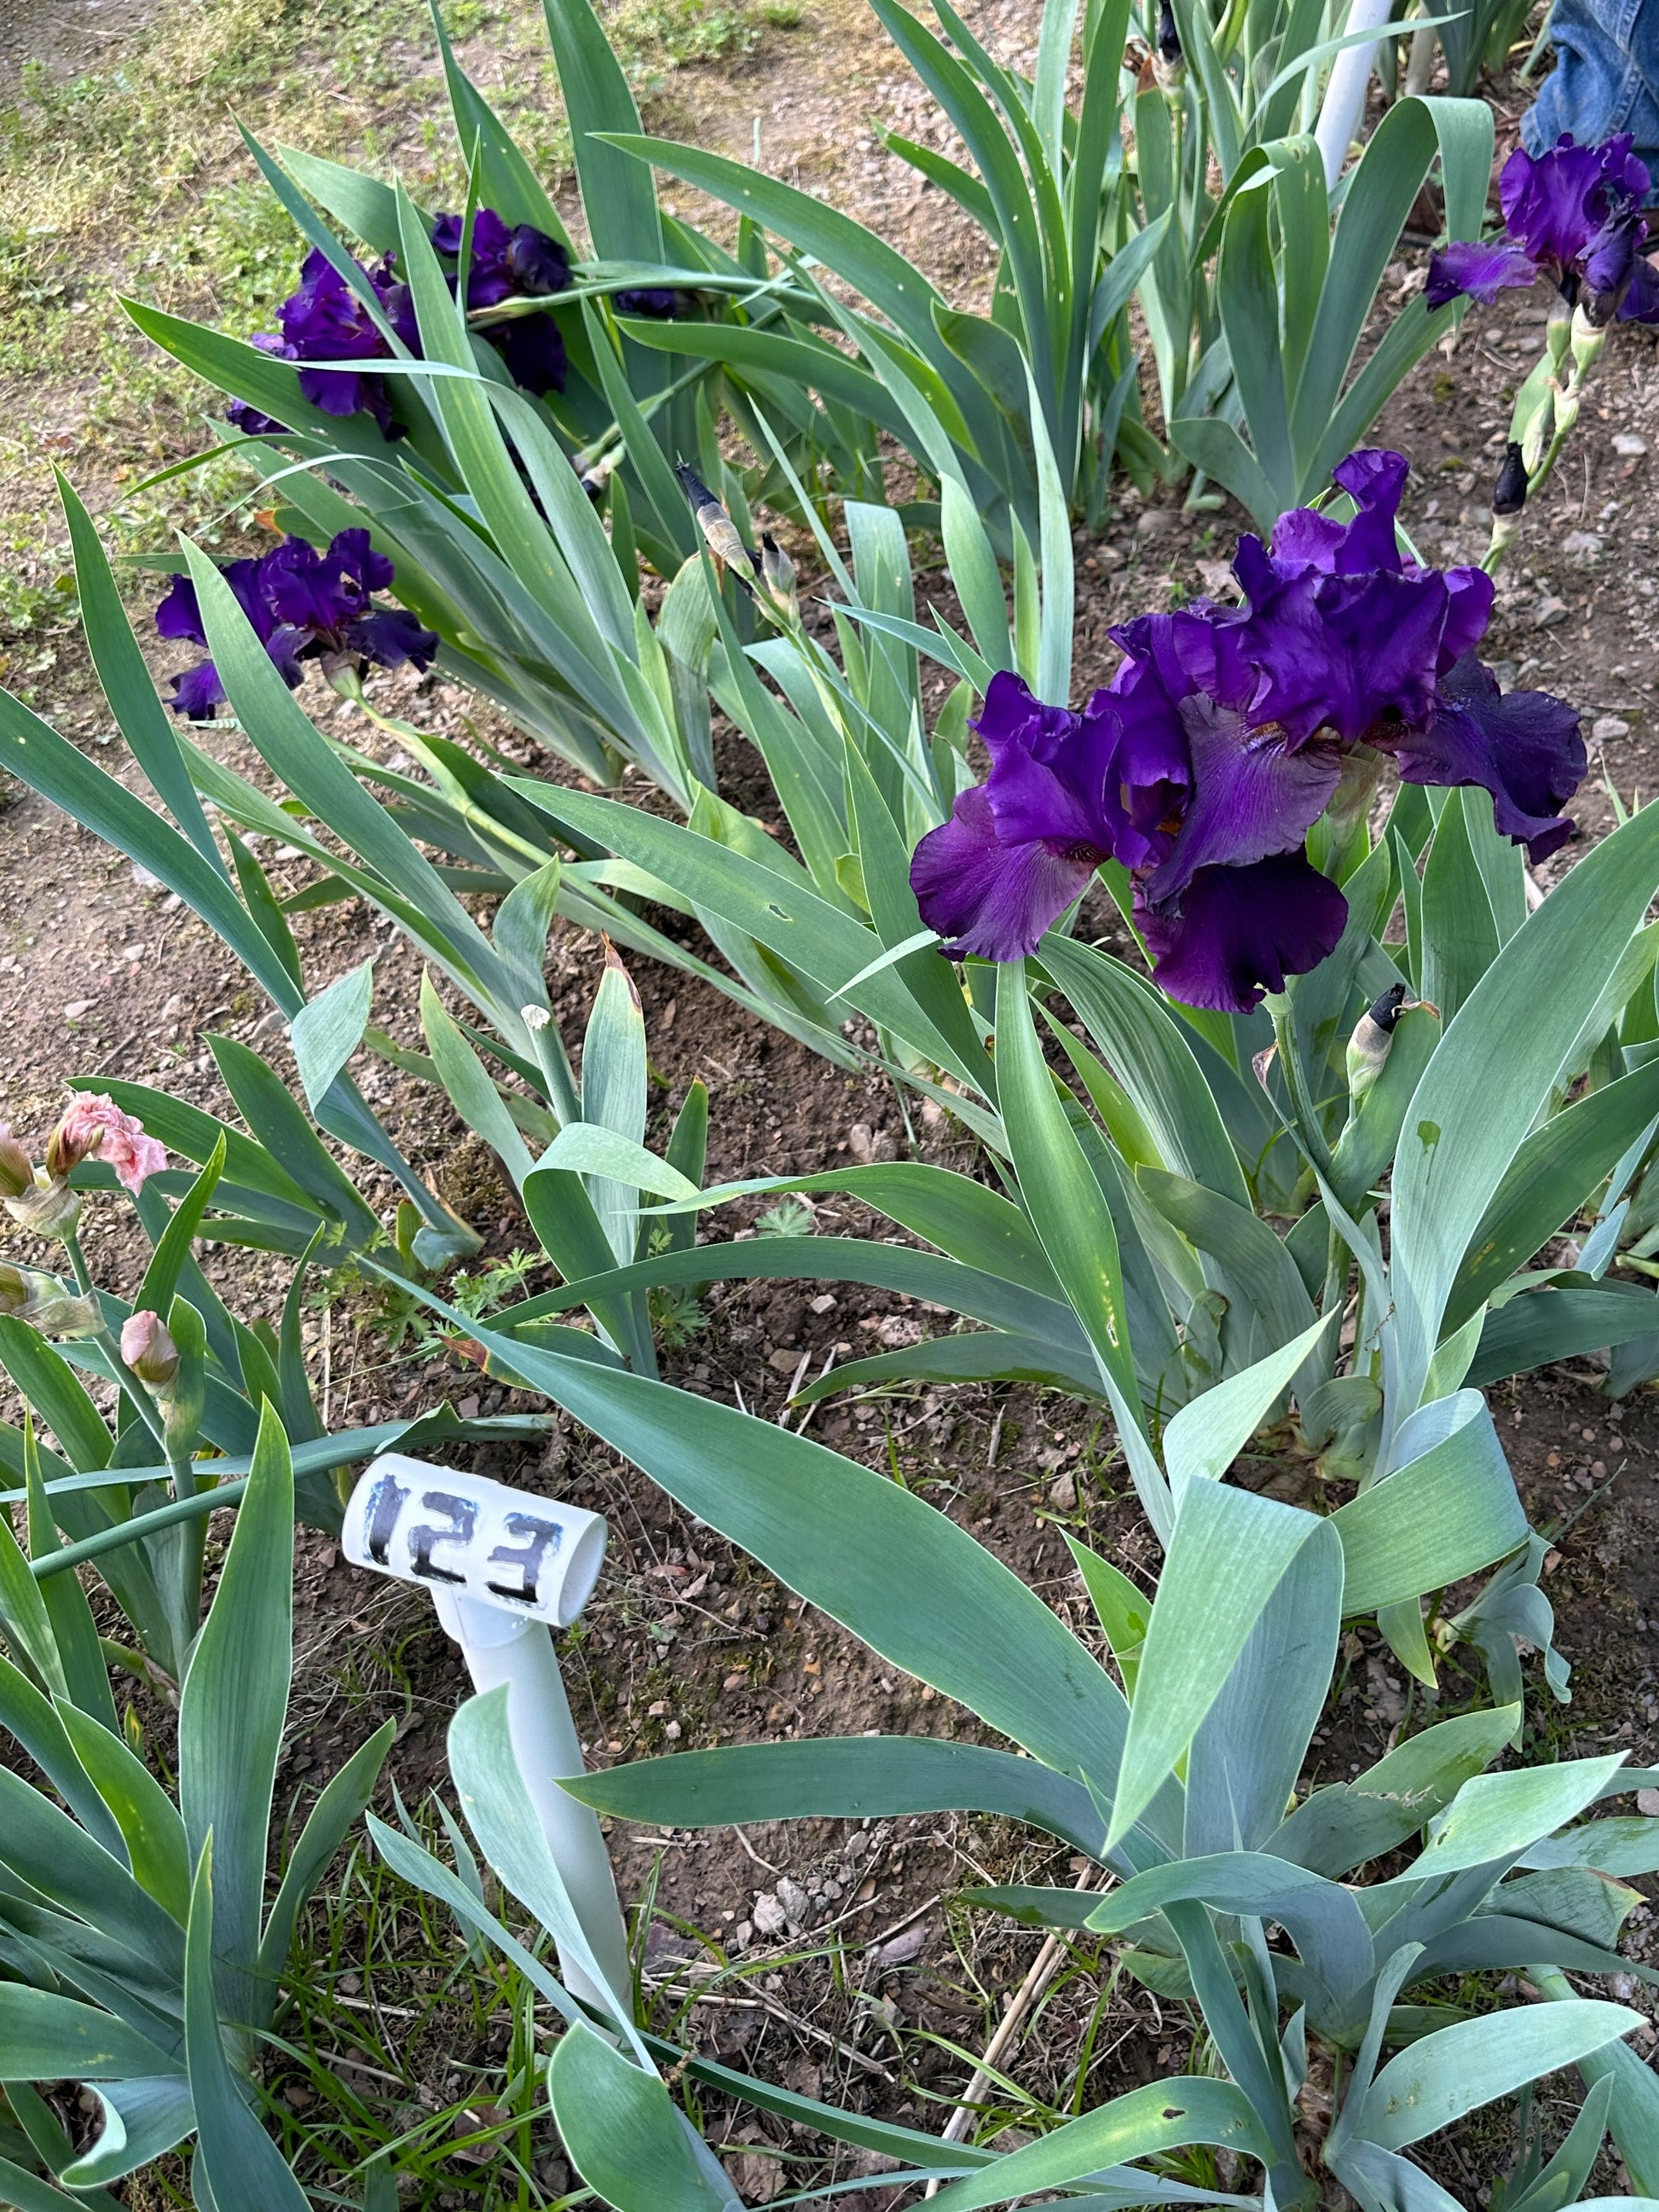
column 1606, row 77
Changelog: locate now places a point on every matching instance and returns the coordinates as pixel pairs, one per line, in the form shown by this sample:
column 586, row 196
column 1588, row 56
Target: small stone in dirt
column 795, row 1902
column 1548, row 612
column 76, row 1008
column 1063, row 1496
column 735, row 1682
column 1605, row 728
column 904, row 1947
column 1647, row 1800
column 770, row 1916
column 867, row 1144
column 1628, row 445
column 1581, row 545
column 785, row 1362
column 822, row 1305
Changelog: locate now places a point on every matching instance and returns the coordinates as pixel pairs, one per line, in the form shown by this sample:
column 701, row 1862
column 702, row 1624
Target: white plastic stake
column 504, row 1569
column 1345, row 95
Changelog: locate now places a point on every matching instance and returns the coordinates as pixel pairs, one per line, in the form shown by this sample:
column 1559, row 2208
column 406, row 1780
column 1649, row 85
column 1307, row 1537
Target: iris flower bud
column 16, row 1174
column 1559, row 332
column 721, row 533
column 149, row 1350
column 1509, row 493
column 779, row 571
column 1168, row 38
column 1372, row 1039
column 1589, row 336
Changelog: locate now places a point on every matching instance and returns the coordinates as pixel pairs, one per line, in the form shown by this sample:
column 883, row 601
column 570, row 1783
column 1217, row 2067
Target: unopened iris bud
column 1589, row 336
column 16, row 1174
column 1509, row 493
column 149, row 1350
column 1372, row 1041
column 1168, row 38
column 721, row 533
column 779, row 570
column 1558, row 333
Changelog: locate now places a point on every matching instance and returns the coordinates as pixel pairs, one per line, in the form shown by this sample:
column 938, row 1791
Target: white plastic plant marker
column 505, row 1569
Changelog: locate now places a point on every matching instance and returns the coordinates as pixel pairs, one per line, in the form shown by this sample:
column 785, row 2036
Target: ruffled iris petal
column 197, row 692
column 986, row 897
column 390, row 635
column 1253, row 795
column 1239, row 931
column 1524, row 749
column 1477, row 270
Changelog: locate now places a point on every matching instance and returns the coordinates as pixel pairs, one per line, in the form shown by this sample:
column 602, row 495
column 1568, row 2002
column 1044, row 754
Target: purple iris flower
column 304, row 604
column 1221, row 740
column 326, row 320
column 514, row 263
column 660, row 301
column 1572, row 212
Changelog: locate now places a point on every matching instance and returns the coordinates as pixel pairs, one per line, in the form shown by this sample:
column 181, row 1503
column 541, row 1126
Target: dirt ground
column 852, row 1972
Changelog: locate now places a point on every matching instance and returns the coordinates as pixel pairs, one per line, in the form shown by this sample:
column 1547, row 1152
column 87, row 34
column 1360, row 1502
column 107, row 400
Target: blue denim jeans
column 1606, row 76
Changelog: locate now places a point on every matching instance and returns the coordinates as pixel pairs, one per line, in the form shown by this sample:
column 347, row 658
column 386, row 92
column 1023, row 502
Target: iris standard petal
column 1554, row 202
column 1477, row 270
column 313, row 591
column 987, row 898
column 1239, row 931
column 1525, row 749
column 536, row 263
column 1347, row 651
column 357, row 559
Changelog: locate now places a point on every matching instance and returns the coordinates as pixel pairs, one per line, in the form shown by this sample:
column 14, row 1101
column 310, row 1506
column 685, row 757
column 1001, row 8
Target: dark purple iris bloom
column 304, row 604
column 326, row 320
column 1221, row 740
column 1554, row 202
column 659, row 301
column 513, row 263
column 1573, row 213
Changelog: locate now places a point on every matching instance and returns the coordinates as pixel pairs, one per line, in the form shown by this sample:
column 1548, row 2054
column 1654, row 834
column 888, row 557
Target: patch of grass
column 160, row 201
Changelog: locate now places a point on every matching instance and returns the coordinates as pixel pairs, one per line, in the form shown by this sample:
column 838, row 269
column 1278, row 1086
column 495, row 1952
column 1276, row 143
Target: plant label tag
column 536, row 1557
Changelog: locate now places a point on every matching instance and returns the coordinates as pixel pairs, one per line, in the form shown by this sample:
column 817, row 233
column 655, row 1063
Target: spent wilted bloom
column 1571, row 212
column 14, row 1288
column 1221, row 740
column 94, row 1126
column 149, row 1350
column 304, row 605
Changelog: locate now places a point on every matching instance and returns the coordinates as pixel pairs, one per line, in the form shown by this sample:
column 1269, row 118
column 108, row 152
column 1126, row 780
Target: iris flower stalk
column 1224, row 735
column 1572, row 213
